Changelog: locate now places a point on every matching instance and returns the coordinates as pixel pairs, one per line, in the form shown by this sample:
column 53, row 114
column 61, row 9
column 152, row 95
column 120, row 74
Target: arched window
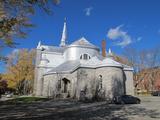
column 100, row 81
column 85, row 57
column 59, row 85
column 81, row 57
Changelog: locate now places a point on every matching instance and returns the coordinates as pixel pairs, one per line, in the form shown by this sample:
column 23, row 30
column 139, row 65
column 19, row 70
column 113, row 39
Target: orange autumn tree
column 20, row 71
column 15, row 17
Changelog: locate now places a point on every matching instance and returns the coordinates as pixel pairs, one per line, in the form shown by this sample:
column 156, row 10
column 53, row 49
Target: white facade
column 69, row 70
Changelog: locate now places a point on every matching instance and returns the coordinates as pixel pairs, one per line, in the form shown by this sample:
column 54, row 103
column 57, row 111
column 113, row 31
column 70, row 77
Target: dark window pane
column 85, row 56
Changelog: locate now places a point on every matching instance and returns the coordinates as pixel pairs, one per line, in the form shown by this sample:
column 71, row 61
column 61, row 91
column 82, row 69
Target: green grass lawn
column 21, row 100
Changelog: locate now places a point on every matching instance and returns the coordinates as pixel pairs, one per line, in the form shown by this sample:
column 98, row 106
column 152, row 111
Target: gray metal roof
column 65, row 67
column 127, row 68
column 53, row 48
column 83, row 43
column 100, row 57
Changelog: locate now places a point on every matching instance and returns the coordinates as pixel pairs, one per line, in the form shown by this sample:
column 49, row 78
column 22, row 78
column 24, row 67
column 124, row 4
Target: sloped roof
column 83, row 43
column 110, row 62
column 127, row 68
column 92, row 62
column 53, row 48
column 65, row 67
column 95, row 62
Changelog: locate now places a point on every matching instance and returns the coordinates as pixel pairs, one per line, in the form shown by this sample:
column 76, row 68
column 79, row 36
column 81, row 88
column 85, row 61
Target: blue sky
column 122, row 23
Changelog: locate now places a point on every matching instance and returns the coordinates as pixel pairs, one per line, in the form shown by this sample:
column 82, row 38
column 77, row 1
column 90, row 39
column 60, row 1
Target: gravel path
column 149, row 109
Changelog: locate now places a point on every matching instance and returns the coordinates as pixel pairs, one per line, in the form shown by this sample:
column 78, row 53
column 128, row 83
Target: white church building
column 78, row 69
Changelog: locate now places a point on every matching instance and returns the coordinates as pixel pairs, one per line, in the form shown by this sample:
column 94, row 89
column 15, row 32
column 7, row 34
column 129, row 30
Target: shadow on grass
column 72, row 110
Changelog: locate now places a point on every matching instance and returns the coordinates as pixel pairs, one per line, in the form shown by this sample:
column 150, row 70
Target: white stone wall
column 49, row 85
column 129, row 82
column 39, row 82
column 85, row 79
column 74, row 53
column 38, row 55
column 55, row 59
column 112, row 81
column 50, row 88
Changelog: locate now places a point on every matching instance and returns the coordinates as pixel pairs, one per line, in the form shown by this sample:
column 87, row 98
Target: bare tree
column 131, row 54
column 145, row 63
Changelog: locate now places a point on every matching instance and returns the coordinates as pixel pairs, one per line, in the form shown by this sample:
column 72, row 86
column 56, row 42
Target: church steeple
column 64, row 35
column 39, row 45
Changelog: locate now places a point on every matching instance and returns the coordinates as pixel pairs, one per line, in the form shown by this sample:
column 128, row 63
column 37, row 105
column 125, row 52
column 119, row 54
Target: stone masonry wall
column 112, row 81
column 51, row 82
column 87, row 81
column 129, row 83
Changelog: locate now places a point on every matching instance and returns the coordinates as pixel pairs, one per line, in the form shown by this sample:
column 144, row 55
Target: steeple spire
column 39, row 45
column 64, row 34
column 110, row 51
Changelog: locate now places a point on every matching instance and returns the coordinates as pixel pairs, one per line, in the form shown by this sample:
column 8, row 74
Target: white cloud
column 120, row 37
column 139, row 39
column 88, row 11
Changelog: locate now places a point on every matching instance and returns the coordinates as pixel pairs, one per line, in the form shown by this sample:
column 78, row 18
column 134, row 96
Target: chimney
column 104, row 48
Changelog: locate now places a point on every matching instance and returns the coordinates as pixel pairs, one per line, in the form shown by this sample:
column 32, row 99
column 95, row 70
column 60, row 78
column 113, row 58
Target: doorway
column 66, row 85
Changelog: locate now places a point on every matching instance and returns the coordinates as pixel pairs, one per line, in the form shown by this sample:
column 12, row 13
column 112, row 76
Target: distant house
column 148, row 80
column 76, row 69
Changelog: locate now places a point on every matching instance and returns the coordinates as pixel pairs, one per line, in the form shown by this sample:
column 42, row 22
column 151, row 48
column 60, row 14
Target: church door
column 66, row 85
